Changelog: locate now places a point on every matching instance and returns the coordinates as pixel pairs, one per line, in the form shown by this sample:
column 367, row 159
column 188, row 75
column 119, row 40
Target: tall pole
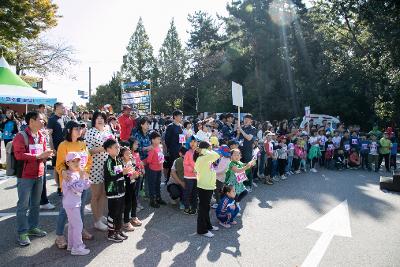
column 90, row 83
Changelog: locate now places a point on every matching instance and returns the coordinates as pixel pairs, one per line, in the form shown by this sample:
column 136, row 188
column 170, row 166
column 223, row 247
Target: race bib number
column 36, row 149
column 118, row 169
column 182, row 139
column 240, row 177
column 354, row 141
column 330, row 147
column 364, row 146
column 291, row 146
column 347, row 147
column 161, row 157
column 373, row 147
column 84, row 159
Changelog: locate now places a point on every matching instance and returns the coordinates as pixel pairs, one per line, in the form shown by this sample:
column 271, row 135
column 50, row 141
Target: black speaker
column 390, row 183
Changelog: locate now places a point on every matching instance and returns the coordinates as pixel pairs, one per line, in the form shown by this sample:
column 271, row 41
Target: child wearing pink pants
column 74, row 182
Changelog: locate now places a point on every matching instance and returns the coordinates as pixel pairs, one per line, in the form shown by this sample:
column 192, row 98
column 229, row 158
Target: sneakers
column 128, row 227
column 60, row 242
column 136, row 222
column 208, row 234
column 122, row 235
column 48, row 206
column 283, row 177
column 115, row 237
column 254, row 185
column 181, row 206
column 100, row 226
column 275, row 179
column 23, row 240
column 160, row 201
column 37, row 232
column 297, row 172
column 269, row 182
column 140, row 206
column 173, row 202
column 80, row 251
column 313, row 170
column 190, row 212
column 225, row 225
column 214, row 206
column 214, row 228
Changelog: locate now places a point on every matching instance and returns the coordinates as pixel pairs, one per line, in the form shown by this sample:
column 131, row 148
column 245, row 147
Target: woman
column 94, row 139
column 206, row 181
column 9, row 127
column 72, row 143
column 141, row 134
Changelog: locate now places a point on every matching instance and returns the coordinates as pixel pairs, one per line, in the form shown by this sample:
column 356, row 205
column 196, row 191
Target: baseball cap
column 72, row 155
column 224, row 151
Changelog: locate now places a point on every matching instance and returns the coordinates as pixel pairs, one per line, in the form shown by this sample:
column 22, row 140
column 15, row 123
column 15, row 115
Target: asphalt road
column 272, row 231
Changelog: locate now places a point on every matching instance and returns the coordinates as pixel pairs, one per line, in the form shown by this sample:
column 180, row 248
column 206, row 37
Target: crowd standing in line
column 204, row 162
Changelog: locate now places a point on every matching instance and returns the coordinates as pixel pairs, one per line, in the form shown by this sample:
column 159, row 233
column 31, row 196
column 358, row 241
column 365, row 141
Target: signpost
column 237, row 97
column 137, row 99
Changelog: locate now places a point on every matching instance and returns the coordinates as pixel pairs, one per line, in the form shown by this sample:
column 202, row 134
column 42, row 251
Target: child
column 176, row 183
column 365, row 145
column 354, row 141
column 322, row 141
column 72, row 186
column 236, row 174
column 220, row 169
column 290, row 152
column 345, row 145
column 139, row 167
column 329, row 152
column 227, row 210
column 190, row 191
column 233, row 144
column 155, row 161
column 206, row 180
column 114, row 183
column 130, row 218
column 354, row 159
column 269, row 151
column 315, row 152
column 214, row 138
column 282, row 157
column 336, row 139
column 340, row 161
column 373, row 152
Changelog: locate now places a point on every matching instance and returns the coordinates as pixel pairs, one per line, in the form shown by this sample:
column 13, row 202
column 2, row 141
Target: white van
column 318, row 118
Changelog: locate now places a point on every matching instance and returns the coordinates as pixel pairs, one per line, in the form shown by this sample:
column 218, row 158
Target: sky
column 99, row 31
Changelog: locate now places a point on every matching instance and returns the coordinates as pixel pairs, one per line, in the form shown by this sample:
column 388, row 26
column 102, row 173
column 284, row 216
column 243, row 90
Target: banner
column 139, row 100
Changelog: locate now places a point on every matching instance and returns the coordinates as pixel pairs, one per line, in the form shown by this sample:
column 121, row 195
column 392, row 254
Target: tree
column 138, row 62
column 41, row 57
column 107, row 94
column 172, row 66
column 25, row 18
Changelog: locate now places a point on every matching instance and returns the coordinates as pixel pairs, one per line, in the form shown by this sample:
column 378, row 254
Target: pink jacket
column 188, row 165
column 299, row 152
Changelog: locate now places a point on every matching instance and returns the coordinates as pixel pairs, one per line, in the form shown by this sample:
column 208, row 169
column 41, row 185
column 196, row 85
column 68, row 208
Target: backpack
column 19, row 164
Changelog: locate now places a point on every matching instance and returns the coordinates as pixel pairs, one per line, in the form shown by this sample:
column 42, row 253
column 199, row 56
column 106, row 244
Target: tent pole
column 26, row 109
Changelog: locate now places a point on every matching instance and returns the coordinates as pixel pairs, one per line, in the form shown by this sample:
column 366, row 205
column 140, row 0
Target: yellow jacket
column 206, row 176
column 64, row 148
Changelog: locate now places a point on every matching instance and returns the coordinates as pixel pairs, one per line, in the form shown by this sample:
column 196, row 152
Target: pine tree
column 172, row 67
column 138, row 62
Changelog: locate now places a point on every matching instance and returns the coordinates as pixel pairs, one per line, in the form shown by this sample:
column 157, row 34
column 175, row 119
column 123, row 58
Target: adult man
column 29, row 187
column 221, row 121
column 55, row 128
column 172, row 139
column 127, row 124
column 44, row 201
column 248, row 134
column 86, row 120
column 228, row 132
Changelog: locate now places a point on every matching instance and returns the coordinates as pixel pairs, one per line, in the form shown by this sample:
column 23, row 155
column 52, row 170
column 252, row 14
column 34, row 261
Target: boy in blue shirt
column 365, row 144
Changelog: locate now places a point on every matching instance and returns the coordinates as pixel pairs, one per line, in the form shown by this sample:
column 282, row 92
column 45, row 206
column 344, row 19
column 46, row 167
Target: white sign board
column 307, row 112
column 237, row 94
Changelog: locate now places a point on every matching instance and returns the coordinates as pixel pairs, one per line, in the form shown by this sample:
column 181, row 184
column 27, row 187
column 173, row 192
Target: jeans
column 289, row 164
column 274, row 167
column 62, row 215
column 29, row 191
column 154, row 181
column 175, row 191
column 203, row 218
column 229, row 216
column 190, row 194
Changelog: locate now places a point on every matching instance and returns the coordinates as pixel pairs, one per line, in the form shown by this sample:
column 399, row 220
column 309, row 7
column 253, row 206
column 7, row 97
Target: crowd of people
column 204, row 162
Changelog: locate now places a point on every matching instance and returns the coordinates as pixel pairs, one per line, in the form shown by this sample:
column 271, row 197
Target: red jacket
column 155, row 159
column 127, row 124
column 33, row 168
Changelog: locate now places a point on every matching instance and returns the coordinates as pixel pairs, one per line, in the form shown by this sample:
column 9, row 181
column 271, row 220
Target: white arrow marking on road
column 335, row 222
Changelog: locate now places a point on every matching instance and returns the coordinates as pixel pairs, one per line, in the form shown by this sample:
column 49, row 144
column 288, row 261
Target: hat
column 270, row 134
column 194, row 138
column 72, row 155
column 126, row 107
column 224, row 151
